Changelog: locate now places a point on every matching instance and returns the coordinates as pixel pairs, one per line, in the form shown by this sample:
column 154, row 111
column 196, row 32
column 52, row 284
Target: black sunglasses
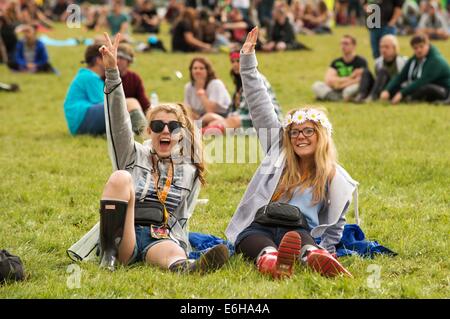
column 157, row 126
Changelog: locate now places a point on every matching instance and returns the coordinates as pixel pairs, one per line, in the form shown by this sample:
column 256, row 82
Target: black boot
column 112, row 221
column 212, row 260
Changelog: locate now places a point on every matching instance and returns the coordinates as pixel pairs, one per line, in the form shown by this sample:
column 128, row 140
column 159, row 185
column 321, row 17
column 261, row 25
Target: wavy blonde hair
column 325, row 161
column 190, row 134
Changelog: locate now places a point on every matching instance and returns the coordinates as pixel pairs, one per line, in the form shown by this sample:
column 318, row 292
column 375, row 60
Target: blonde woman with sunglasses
column 147, row 202
column 298, row 193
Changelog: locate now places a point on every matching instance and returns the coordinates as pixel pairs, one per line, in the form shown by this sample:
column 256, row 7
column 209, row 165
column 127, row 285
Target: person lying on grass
column 300, row 169
column 147, row 202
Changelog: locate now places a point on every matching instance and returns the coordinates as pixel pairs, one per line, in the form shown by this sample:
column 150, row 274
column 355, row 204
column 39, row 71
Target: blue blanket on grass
column 353, row 242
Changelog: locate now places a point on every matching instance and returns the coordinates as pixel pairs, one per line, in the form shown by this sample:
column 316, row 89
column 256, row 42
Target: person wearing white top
column 206, row 95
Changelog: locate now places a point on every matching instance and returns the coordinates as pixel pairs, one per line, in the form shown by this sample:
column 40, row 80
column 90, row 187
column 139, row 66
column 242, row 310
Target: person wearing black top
column 390, row 12
column 146, row 18
column 184, row 34
column 58, row 11
column 8, row 40
column 344, row 74
column 282, row 36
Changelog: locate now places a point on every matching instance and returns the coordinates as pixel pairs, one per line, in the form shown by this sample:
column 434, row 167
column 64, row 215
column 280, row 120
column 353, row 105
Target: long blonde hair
column 190, row 134
column 325, row 160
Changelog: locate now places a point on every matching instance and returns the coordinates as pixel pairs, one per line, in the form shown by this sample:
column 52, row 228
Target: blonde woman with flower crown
column 299, row 173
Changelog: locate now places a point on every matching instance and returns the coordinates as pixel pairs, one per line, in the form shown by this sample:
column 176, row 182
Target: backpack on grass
column 11, row 267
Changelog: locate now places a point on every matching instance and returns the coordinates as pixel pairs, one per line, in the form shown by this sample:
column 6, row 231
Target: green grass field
column 51, row 182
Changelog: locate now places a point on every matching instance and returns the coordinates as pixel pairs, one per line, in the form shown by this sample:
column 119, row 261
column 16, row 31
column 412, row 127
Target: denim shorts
column 275, row 233
column 144, row 241
column 94, row 121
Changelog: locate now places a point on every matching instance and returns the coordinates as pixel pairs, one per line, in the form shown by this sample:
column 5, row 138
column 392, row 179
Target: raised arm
column 262, row 111
column 118, row 124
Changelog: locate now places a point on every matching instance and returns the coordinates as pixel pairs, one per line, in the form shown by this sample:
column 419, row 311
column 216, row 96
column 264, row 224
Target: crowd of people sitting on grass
column 212, row 26
column 423, row 77
column 148, row 200
column 215, row 26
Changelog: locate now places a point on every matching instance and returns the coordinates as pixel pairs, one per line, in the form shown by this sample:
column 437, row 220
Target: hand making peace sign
column 109, row 51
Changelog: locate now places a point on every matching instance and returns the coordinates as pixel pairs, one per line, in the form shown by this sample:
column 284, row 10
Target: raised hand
column 250, row 41
column 109, row 51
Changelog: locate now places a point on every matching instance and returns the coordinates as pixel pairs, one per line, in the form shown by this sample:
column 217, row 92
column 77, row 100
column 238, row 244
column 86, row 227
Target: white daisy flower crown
column 303, row 115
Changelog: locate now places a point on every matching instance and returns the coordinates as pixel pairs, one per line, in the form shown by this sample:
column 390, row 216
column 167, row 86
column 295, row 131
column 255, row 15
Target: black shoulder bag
column 148, row 213
column 154, row 213
column 280, row 214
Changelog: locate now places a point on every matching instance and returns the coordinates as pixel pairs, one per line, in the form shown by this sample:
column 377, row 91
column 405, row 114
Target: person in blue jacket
column 83, row 106
column 31, row 54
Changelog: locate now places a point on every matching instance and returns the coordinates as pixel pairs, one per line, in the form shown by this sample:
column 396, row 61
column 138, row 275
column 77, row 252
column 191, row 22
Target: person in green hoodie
column 425, row 77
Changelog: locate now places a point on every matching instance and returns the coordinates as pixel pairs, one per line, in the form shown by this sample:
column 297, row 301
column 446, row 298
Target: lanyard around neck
column 162, row 195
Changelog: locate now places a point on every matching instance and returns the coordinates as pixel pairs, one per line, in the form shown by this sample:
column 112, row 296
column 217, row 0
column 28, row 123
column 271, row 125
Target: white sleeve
column 217, row 92
column 187, row 94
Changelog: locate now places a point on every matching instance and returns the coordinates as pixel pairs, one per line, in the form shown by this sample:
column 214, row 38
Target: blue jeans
column 94, row 121
column 375, row 36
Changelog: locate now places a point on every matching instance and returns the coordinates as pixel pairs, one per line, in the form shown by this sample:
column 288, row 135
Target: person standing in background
column 390, row 11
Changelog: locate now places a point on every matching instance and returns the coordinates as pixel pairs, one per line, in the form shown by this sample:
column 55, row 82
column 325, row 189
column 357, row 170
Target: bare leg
column 194, row 116
column 209, row 117
column 281, row 46
column 270, row 46
column 229, row 122
column 165, row 254
column 133, row 104
column 120, row 187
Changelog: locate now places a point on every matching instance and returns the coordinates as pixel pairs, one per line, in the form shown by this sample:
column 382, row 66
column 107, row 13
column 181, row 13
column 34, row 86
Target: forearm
column 118, row 123
column 397, row 14
column 340, row 82
column 124, row 28
column 235, row 25
column 199, row 44
column 431, row 72
column 210, row 106
column 351, row 81
column 259, row 102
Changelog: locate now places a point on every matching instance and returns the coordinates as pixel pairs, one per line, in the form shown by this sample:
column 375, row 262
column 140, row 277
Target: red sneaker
column 323, row 262
column 266, row 263
column 288, row 252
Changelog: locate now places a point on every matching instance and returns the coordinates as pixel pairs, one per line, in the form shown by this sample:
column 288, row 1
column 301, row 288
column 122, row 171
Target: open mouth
column 302, row 145
column 164, row 142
